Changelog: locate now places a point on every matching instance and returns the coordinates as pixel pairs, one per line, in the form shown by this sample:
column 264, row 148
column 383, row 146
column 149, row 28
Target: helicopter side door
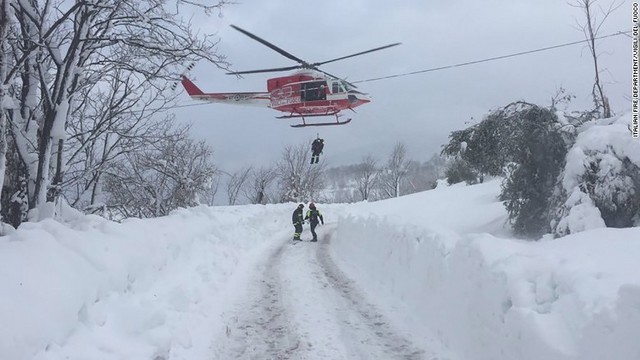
column 313, row 91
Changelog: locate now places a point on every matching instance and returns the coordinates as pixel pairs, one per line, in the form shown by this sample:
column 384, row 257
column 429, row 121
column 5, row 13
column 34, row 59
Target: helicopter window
column 339, row 87
column 312, row 91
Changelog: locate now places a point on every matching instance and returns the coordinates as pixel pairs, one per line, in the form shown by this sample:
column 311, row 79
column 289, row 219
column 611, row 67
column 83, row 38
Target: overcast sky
column 418, row 110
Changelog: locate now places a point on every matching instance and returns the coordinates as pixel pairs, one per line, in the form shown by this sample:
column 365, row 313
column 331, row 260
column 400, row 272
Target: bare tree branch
column 236, row 182
column 590, row 28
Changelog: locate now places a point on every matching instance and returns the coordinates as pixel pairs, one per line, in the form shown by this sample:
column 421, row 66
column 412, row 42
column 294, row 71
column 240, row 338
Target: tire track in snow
column 260, row 329
column 392, row 345
column 300, row 305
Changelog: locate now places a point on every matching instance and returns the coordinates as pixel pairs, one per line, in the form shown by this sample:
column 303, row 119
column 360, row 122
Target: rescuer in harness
column 316, row 149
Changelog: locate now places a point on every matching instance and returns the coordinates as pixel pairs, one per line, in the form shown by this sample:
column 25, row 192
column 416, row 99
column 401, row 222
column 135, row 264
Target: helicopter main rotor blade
column 357, row 54
column 270, row 45
column 333, row 76
column 265, row 70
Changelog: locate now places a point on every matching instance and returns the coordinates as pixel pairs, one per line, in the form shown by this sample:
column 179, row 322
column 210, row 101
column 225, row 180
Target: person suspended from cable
column 316, row 149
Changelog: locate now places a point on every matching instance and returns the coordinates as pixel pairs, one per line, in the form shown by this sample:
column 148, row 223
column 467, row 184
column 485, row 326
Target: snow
column 7, row 102
column 440, row 265
column 603, row 136
column 583, row 214
column 605, row 149
column 58, row 129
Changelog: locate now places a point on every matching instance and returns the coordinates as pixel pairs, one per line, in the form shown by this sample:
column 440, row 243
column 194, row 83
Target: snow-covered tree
column 169, row 173
column 423, row 175
column 526, row 144
column 116, row 116
column 63, row 48
column 5, row 102
column 298, row 180
column 366, row 176
column 491, row 144
column 537, row 162
column 260, row 180
column 236, row 183
column 394, row 171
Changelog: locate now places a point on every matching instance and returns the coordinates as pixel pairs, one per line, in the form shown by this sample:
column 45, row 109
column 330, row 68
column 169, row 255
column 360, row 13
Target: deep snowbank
column 489, row 297
column 95, row 289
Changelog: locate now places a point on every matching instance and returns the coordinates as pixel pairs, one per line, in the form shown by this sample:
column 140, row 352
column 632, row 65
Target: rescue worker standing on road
column 313, row 215
column 297, row 222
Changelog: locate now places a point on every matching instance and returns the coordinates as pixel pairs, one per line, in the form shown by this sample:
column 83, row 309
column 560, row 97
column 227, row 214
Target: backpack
column 317, row 145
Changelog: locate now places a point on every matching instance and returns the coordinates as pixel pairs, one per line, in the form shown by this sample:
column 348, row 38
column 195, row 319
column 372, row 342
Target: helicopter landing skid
column 305, row 124
column 296, row 116
column 321, row 124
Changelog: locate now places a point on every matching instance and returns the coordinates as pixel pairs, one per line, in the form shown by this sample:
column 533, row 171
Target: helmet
column 301, row 206
column 312, row 206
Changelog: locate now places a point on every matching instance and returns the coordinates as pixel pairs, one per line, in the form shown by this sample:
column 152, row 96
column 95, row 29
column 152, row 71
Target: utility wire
column 173, row 107
column 492, row 58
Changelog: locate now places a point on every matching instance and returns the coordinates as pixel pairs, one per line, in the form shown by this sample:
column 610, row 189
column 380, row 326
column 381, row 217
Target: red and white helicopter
column 309, row 92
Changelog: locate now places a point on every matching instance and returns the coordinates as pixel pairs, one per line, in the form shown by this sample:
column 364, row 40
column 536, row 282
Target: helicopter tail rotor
column 183, row 75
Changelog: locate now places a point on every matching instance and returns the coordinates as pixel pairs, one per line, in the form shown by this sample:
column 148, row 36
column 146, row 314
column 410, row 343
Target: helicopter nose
column 358, row 99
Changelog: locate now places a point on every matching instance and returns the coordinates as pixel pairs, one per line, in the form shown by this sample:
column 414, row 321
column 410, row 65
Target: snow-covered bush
column 600, row 185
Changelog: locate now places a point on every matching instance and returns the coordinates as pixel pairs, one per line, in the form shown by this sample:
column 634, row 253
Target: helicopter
column 307, row 92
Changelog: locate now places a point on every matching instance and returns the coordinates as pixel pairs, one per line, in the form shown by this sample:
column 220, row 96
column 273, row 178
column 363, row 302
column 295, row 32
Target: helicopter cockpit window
column 339, row 87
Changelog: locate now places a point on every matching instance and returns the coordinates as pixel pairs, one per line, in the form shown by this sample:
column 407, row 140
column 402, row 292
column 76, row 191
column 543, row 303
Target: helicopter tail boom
column 239, row 98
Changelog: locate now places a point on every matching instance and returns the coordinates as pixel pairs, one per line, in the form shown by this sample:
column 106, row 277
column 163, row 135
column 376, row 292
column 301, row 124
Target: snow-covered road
column 300, row 305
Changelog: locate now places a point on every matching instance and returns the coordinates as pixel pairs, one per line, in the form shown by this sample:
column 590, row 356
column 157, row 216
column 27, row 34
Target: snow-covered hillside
column 439, row 265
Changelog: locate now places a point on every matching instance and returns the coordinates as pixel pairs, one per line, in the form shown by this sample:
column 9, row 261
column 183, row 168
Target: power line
column 178, row 106
column 492, row 58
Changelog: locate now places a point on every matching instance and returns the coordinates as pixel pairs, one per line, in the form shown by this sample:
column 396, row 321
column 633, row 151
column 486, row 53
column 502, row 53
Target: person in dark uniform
column 316, row 149
column 297, row 220
column 322, row 93
column 313, row 215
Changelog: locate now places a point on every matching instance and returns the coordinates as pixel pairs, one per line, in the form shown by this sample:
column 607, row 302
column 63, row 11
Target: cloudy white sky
column 419, row 110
